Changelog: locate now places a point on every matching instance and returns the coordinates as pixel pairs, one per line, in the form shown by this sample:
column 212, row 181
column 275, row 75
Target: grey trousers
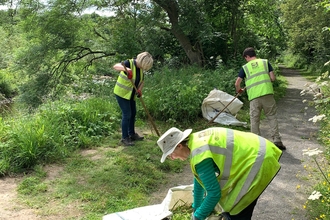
column 268, row 104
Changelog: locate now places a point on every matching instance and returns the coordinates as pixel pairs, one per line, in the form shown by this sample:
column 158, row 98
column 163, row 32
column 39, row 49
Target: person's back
column 257, row 79
column 258, row 75
column 247, row 163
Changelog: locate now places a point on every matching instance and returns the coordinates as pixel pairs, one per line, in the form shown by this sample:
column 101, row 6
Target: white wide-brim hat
column 170, row 139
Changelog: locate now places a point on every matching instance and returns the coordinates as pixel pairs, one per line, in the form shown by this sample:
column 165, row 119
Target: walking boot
column 136, row 137
column 127, row 142
column 280, row 145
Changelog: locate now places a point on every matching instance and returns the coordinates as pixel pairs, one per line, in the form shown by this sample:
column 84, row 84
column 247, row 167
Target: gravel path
column 285, row 196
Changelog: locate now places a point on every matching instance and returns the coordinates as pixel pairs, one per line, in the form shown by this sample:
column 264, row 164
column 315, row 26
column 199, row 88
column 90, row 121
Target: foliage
column 319, row 208
column 318, row 204
column 59, row 43
column 183, row 91
column 182, row 213
column 305, row 23
column 8, row 89
column 54, row 131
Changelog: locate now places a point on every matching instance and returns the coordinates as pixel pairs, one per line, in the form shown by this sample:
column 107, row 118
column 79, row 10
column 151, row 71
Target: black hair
column 249, row 52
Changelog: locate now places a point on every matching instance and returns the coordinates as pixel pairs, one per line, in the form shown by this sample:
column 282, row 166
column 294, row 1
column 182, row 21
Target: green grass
column 99, row 181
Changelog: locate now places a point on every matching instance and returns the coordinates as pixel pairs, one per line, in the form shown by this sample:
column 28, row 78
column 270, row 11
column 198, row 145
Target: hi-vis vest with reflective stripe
column 247, row 164
column 124, row 87
column 257, row 80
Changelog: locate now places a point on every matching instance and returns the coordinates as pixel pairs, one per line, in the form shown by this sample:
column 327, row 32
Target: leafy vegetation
column 318, row 206
column 53, row 132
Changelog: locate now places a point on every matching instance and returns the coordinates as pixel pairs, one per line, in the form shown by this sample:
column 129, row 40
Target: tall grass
column 54, row 131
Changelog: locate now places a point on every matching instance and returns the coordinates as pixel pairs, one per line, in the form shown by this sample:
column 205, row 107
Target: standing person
column 125, row 93
column 259, row 75
column 230, row 167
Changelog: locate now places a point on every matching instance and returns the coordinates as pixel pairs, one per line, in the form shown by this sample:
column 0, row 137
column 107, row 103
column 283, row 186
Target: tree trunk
column 194, row 53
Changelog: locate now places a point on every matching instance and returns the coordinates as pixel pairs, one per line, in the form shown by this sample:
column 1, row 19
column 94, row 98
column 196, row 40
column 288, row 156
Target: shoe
column 280, row 145
column 136, row 137
column 127, row 142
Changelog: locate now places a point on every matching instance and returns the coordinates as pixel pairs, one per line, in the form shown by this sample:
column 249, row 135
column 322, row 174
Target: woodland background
column 49, row 47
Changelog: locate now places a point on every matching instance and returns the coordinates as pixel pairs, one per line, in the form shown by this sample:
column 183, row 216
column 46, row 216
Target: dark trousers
column 246, row 214
column 128, row 109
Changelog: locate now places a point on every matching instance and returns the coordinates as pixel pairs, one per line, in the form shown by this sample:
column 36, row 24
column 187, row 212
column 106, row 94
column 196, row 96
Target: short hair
column 249, row 52
column 144, row 61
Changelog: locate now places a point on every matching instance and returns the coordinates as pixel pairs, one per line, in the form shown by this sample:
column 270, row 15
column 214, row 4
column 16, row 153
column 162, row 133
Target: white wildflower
column 305, row 100
column 325, row 83
column 314, row 86
column 317, row 118
column 315, row 195
column 318, row 95
column 312, row 152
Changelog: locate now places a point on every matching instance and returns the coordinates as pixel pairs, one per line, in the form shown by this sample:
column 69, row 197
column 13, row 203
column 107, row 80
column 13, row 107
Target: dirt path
column 9, row 208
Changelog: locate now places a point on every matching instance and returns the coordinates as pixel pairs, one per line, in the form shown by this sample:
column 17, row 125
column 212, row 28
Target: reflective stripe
column 243, row 176
column 229, row 157
column 254, row 170
column 123, row 86
column 124, row 77
column 227, row 152
column 265, row 66
column 247, row 73
column 258, row 83
column 257, row 74
column 246, row 70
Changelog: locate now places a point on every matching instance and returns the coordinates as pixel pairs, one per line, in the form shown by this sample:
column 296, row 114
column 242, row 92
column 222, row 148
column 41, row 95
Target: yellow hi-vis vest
column 124, row 86
column 257, row 80
column 246, row 161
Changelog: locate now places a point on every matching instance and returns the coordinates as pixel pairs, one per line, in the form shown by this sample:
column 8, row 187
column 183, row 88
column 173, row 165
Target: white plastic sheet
column 215, row 102
column 176, row 197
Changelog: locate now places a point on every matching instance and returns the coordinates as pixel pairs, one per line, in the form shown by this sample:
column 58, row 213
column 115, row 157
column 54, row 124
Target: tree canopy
column 50, row 43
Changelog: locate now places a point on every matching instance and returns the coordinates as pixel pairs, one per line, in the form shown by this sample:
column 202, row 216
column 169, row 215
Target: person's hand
column 139, row 93
column 129, row 74
column 240, row 91
column 224, row 216
column 193, row 217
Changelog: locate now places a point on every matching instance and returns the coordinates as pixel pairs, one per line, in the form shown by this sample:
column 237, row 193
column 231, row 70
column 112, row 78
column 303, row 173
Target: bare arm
column 141, row 86
column 272, row 76
column 238, row 83
column 119, row 67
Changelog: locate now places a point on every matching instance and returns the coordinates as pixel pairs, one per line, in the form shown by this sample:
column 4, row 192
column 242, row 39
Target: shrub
column 54, row 131
column 178, row 94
